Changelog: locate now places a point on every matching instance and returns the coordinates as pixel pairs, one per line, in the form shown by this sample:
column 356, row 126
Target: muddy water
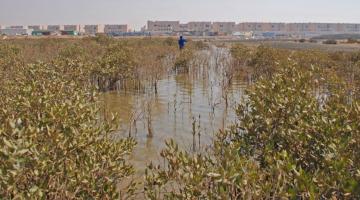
column 201, row 102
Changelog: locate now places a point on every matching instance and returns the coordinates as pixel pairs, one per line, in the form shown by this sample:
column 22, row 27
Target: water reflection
column 184, row 102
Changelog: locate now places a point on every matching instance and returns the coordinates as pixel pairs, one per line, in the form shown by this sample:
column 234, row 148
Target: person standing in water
column 182, row 42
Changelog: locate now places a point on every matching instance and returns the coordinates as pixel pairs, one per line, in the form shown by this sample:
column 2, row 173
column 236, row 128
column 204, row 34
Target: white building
column 351, row 28
column 15, row 31
column 183, row 28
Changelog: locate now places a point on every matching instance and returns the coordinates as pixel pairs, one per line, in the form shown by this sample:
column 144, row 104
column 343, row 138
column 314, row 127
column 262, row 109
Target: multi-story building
column 252, row 27
column 201, row 27
column 297, row 27
column 163, row 26
column 351, row 28
column 71, row 28
column 183, row 28
column 15, row 31
column 18, row 27
column 223, row 27
column 115, row 29
column 91, row 29
column 35, row 27
column 303, row 28
column 53, row 27
column 277, row 27
column 326, row 28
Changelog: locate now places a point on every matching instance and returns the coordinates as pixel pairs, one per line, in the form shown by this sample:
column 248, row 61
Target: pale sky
column 135, row 13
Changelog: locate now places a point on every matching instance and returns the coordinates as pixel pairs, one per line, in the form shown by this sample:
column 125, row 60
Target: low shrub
column 351, row 41
column 289, row 143
column 330, row 42
column 302, row 40
column 53, row 145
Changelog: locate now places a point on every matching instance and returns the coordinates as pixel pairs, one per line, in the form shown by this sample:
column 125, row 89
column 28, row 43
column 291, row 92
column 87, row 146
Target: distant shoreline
column 291, row 44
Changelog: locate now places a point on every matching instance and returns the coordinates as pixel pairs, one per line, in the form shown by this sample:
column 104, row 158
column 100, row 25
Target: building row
column 300, row 27
column 195, row 28
column 198, row 28
column 111, row 29
column 225, row 28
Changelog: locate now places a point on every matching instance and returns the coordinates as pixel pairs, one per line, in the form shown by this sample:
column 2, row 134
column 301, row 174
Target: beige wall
column 251, row 26
column 163, row 26
column 224, row 27
column 115, row 28
column 199, row 26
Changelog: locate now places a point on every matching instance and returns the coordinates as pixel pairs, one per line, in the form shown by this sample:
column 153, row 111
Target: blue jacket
column 182, row 42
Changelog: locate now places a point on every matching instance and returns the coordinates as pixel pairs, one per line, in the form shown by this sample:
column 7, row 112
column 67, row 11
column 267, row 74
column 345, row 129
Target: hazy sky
column 137, row 12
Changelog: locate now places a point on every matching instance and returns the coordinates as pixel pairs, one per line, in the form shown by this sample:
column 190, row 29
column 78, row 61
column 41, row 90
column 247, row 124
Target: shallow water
column 184, row 103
